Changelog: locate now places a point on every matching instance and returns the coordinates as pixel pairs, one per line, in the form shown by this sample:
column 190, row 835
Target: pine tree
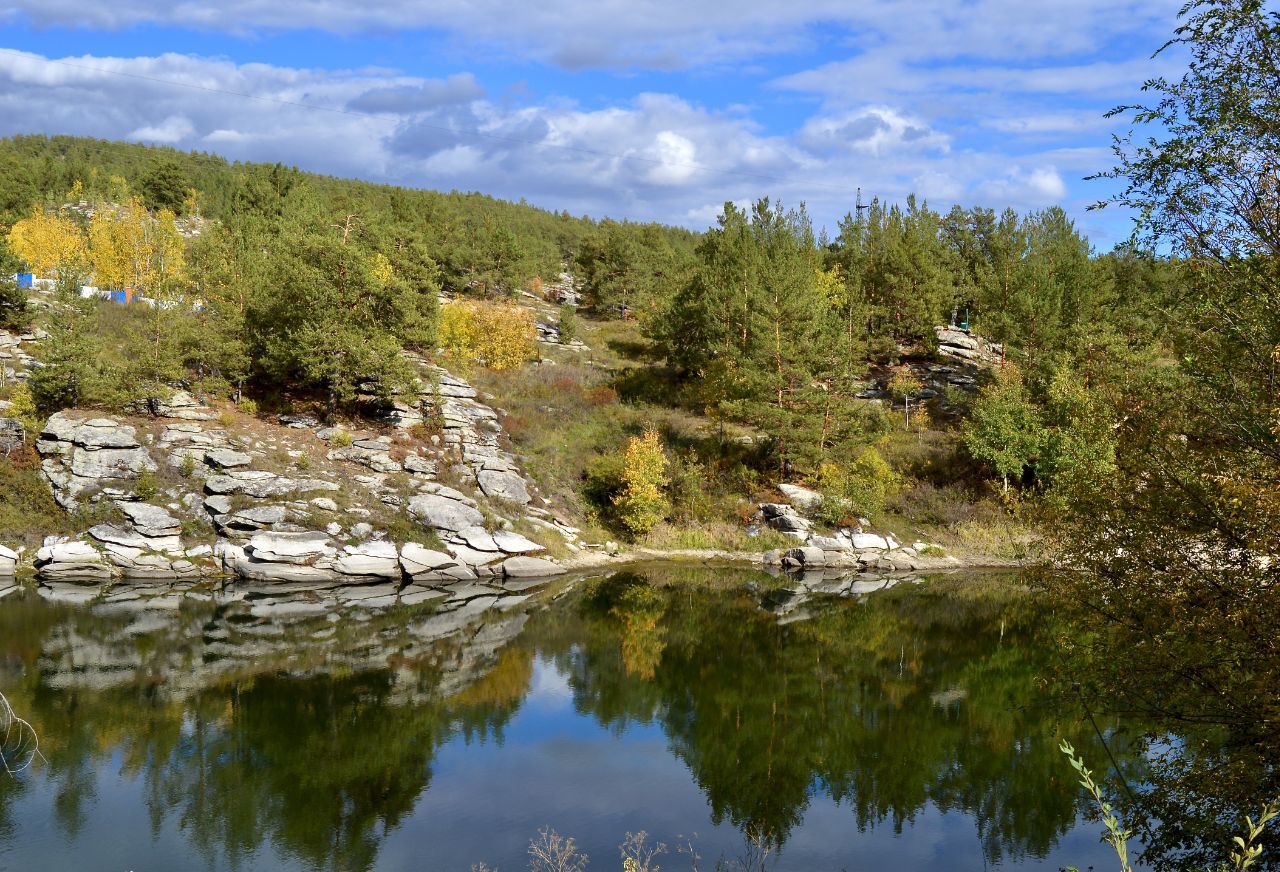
column 72, row 373
column 14, row 308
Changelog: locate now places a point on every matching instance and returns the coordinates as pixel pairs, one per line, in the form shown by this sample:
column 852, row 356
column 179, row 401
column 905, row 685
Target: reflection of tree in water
column 318, row 764
column 916, row 697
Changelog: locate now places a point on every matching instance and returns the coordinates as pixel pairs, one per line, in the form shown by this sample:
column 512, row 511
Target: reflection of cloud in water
column 549, row 687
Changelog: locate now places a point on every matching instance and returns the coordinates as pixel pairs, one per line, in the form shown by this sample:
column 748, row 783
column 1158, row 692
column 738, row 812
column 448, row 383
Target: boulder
column 184, row 407
column 293, row 548
column 514, row 543
column 790, row 523
column 863, row 541
column 104, row 433
column 112, row 535
column 149, row 520
column 955, row 337
column 110, row 462
column 473, row 558
column 417, row 560
column 226, row 458
column 529, row 567
column 503, row 485
column 826, row 543
column 478, row 538
column 256, row 517
column 59, row 428
column 802, row 498
column 13, row 434
column 442, row 513
column 217, row 504
column 805, row 556
column 72, row 560
column 370, row 559
column 8, row 560
column 419, row 465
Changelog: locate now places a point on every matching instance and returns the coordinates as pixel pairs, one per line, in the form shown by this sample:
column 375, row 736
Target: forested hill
column 467, row 234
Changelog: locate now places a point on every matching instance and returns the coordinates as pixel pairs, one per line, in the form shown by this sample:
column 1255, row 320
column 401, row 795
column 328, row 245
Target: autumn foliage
column 500, row 335
column 642, row 502
column 51, row 244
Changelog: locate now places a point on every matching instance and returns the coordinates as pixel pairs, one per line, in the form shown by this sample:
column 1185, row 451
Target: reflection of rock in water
column 789, row 603
column 435, row 640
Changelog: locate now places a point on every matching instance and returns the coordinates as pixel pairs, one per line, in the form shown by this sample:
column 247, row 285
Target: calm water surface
column 836, row 729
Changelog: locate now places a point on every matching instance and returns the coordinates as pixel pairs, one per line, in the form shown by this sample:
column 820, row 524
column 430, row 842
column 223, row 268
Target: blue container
column 25, row 280
column 118, row 297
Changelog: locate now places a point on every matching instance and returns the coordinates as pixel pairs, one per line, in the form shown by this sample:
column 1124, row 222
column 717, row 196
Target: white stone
column 472, row 557
column 514, row 543
column 293, row 548
column 418, row 559
column 802, row 498
column 478, row 538
column 150, row 520
column 503, row 485
column 443, row 513
column 378, row 559
column 530, row 567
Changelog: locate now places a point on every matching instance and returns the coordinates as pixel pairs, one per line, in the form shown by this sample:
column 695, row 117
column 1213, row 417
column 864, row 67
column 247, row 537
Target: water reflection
column 302, row 727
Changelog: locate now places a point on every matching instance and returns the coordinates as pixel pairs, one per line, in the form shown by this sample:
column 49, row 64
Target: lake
column 767, row 723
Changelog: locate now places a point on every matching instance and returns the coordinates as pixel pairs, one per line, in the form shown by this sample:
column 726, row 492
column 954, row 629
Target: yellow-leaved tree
column 130, row 248
column 642, row 503
column 51, row 244
column 500, row 335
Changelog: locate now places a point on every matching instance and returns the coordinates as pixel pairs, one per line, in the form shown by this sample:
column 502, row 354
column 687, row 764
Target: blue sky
column 654, row 109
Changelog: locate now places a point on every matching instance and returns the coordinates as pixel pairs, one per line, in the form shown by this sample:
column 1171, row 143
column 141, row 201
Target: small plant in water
column 638, row 854
column 19, row 743
column 552, row 852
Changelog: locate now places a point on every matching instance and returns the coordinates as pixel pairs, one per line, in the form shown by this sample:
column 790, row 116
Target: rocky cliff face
column 191, row 492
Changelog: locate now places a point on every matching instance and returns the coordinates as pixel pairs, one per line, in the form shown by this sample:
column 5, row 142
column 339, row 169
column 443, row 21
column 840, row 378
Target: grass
column 713, row 535
column 28, row 511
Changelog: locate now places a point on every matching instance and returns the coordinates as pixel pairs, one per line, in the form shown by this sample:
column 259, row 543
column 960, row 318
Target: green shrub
column 859, row 489
column 28, row 511
column 603, row 482
column 24, row 409
column 145, row 488
column 690, row 489
column 568, row 323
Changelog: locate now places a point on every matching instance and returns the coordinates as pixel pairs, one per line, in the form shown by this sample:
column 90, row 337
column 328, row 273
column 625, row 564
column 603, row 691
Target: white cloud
column 175, row 128
column 1040, row 186
column 458, row 88
column 873, row 130
column 661, row 34
column 673, row 157
column 654, row 156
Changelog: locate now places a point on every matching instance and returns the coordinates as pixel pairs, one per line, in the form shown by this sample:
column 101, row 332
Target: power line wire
column 477, row 134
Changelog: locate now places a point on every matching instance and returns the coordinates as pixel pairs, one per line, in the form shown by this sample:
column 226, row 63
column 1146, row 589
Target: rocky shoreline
column 432, row 497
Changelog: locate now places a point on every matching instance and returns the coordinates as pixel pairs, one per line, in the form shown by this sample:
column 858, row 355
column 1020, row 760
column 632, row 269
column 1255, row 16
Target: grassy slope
column 562, row 417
